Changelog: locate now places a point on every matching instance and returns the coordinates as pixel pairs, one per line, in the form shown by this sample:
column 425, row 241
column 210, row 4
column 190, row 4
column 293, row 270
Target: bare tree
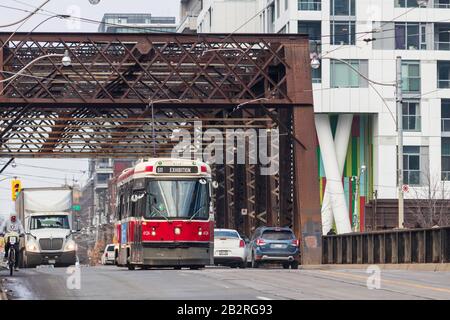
column 431, row 202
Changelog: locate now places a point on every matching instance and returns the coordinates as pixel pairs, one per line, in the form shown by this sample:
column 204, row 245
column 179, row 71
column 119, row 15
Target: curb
column 433, row 267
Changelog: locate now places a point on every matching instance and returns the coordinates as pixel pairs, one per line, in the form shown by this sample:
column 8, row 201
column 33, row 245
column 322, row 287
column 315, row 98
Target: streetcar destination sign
column 167, row 169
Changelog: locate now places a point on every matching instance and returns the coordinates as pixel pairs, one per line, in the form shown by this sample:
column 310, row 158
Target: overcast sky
column 51, row 172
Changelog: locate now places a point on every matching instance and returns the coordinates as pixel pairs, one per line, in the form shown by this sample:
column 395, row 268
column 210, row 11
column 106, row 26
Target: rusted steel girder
column 117, row 70
column 307, row 216
column 96, row 108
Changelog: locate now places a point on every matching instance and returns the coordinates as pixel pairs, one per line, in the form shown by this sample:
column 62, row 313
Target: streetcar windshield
column 188, row 199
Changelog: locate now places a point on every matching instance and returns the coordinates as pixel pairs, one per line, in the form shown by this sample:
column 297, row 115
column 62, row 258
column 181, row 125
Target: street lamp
column 65, row 61
column 357, row 180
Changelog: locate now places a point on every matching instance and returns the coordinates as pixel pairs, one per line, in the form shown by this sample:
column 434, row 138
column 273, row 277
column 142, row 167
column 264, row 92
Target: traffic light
column 16, row 187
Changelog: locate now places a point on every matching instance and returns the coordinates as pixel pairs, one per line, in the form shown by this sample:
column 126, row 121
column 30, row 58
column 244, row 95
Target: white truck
column 46, row 215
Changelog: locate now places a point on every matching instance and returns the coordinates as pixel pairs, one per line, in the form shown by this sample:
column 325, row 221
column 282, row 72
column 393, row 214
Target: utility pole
column 399, row 98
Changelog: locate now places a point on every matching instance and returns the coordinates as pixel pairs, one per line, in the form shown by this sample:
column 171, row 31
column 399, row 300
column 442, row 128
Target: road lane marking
column 263, row 298
column 394, row 282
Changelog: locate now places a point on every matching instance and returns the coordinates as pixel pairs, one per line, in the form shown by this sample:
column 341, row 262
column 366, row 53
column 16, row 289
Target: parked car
column 229, row 248
column 273, row 245
column 109, row 256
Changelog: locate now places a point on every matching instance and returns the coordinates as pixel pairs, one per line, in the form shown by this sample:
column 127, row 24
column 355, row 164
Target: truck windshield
column 54, row 222
column 178, row 199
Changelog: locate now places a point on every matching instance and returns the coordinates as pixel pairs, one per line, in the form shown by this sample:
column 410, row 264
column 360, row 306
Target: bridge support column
column 333, row 174
column 307, row 224
column 341, row 139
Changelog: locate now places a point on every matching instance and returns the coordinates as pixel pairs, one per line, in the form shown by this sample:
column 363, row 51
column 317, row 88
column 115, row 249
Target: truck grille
column 51, row 244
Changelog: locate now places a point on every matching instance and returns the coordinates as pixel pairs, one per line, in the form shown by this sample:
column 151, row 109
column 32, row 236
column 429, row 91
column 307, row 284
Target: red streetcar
column 165, row 215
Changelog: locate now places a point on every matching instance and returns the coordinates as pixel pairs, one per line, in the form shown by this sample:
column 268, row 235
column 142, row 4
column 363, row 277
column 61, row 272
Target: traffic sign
column 405, row 188
column 76, row 207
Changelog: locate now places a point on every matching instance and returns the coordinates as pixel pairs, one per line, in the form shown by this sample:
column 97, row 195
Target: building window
column 411, row 165
column 445, row 115
column 310, row 5
column 316, row 74
column 411, row 76
column 278, row 8
column 443, row 70
column 102, row 177
column 411, row 116
column 286, row 4
column 314, row 31
column 342, row 7
column 410, row 36
column 343, row 32
column 343, row 76
column 442, row 36
column 406, row 3
column 445, row 158
column 442, row 4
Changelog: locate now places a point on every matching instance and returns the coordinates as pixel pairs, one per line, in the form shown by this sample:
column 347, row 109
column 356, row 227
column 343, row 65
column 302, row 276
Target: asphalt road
column 215, row 283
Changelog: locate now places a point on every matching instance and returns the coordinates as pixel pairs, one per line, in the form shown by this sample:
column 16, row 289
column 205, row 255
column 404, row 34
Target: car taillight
column 295, row 242
column 241, row 244
column 260, row 242
column 106, row 255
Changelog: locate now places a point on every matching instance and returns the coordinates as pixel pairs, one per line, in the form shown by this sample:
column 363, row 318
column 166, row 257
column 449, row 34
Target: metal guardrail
column 388, row 247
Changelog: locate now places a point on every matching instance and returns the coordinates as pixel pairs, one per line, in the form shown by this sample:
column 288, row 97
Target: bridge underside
column 127, row 96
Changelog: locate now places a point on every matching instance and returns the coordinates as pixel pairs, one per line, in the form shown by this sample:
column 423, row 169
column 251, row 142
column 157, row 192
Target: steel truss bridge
column 124, row 96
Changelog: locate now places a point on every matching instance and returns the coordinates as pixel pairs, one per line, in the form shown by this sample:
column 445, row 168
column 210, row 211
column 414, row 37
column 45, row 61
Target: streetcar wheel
column 131, row 267
column 243, row 265
column 177, row 268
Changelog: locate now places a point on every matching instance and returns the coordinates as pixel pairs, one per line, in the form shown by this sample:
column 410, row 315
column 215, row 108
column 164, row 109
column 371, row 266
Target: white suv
column 109, row 255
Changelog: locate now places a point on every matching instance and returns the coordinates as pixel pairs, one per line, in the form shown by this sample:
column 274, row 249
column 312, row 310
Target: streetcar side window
column 138, row 205
column 121, row 207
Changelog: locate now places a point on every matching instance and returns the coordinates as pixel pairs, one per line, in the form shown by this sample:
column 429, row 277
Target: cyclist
column 13, row 225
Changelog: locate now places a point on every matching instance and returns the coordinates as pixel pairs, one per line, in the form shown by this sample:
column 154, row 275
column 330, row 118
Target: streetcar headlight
column 200, row 232
column 153, row 231
column 32, row 246
column 177, row 230
column 70, row 246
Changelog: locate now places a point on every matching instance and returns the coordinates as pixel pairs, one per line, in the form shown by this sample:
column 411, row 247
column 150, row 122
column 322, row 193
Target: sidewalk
column 407, row 266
